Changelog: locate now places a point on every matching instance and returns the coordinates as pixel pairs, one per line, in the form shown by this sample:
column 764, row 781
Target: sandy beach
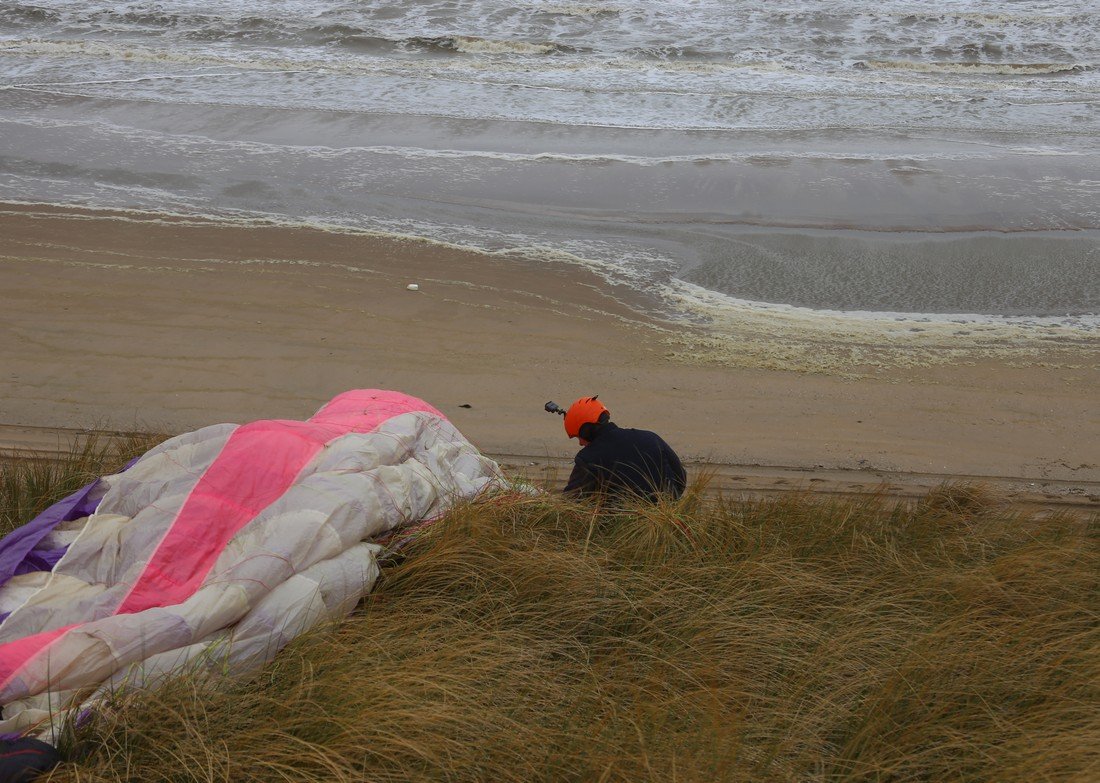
column 134, row 321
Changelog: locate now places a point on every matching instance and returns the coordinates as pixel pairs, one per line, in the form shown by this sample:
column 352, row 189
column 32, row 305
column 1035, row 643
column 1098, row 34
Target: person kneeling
column 618, row 462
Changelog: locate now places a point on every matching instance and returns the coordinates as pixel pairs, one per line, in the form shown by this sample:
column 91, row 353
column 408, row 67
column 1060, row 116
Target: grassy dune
column 527, row 638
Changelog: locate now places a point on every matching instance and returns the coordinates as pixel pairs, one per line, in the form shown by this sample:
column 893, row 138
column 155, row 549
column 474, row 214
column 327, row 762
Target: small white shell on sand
column 412, row 287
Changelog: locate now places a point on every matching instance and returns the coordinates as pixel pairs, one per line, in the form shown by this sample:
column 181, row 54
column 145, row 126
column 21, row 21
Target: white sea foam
column 476, row 45
column 718, row 306
column 323, row 62
column 142, row 53
column 1001, row 69
column 578, row 9
column 772, row 154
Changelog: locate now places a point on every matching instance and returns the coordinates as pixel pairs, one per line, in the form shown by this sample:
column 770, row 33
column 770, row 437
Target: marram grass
column 532, row 639
column 29, row 484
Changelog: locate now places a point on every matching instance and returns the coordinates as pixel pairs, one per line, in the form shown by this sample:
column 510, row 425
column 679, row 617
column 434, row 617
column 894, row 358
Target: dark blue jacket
column 627, row 463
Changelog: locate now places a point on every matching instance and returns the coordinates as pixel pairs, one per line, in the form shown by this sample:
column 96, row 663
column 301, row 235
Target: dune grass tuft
column 30, row 484
column 529, row 638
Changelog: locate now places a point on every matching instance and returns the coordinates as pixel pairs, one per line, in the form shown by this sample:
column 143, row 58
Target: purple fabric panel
column 41, row 559
column 17, row 545
column 19, row 552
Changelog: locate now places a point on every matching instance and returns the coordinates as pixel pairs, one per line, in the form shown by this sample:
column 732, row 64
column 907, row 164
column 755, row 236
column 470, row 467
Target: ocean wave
column 58, row 49
column 1000, row 69
column 987, row 17
column 40, row 47
column 578, row 9
column 281, row 31
column 28, row 14
column 705, row 29
column 472, row 44
column 762, row 157
column 157, row 21
column 654, row 62
column 574, row 115
column 360, row 38
column 757, row 156
column 350, row 37
column 249, row 60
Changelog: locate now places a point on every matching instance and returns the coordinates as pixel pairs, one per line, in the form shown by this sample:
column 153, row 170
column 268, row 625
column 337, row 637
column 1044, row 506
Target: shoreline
column 700, row 325
column 172, row 325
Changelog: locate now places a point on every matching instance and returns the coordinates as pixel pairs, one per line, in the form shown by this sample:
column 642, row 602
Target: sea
column 894, row 159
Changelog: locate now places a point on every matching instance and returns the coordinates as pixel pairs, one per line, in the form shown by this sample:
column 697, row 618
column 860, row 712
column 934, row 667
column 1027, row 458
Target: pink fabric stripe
column 15, row 655
column 255, row 467
column 367, row 409
column 258, row 463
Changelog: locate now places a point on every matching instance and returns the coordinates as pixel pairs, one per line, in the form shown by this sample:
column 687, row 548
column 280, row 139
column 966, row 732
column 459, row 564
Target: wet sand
column 133, row 322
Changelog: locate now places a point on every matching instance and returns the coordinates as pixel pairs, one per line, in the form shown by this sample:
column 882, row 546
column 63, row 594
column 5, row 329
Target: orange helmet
column 586, row 410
